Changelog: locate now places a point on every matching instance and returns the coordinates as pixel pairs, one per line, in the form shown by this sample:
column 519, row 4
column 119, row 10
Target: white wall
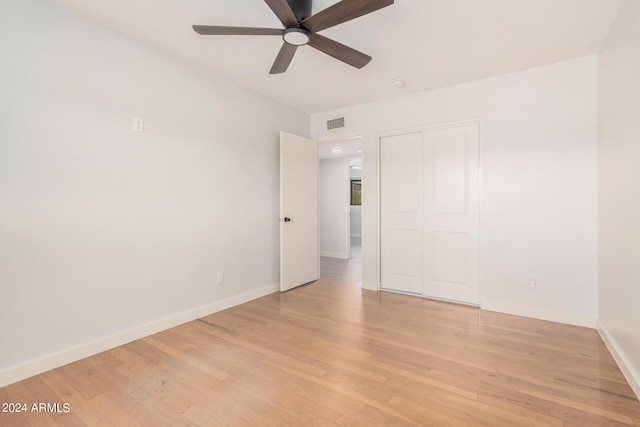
column 356, row 221
column 107, row 234
column 618, row 183
column 539, row 140
column 334, row 193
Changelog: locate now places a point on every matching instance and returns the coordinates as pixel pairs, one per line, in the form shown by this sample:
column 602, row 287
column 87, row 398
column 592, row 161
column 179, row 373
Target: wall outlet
column 531, row 283
column 220, row 278
column 138, row 124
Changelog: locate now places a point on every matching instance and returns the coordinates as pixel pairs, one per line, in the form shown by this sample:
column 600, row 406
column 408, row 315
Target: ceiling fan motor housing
column 300, row 8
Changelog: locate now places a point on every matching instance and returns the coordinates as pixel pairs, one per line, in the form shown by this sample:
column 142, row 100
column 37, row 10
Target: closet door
column 429, row 211
column 451, row 213
column 401, row 214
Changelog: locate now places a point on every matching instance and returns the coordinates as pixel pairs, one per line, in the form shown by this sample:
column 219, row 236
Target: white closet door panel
column 401, row 220
column 429, row 213
column 450, row 257
column 450, row 170
column 451, row 213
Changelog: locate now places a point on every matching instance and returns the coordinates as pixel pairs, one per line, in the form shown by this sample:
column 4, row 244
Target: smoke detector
column 398, row 82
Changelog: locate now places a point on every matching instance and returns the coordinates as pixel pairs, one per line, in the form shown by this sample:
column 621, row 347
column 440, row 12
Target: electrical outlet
column 531, row 283
column 220, row 278
column 138, row 124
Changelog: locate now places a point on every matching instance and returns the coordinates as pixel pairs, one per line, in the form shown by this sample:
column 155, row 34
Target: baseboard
column 52, row 361
column 340, row 255
column 370, row 285
column 551, row 316
column 631, row 375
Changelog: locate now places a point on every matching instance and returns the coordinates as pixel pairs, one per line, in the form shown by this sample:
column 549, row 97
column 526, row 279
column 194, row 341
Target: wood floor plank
column 332, row 354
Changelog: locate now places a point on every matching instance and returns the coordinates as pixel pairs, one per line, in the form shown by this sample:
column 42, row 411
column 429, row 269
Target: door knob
column 287, row 219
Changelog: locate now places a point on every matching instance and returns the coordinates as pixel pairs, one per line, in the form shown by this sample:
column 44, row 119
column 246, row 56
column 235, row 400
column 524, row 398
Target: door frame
column 441, row 125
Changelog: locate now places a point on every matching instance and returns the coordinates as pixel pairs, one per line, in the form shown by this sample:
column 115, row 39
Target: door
column 429, row 212
column 299, row 253
column 401, row 223
column 451, row 213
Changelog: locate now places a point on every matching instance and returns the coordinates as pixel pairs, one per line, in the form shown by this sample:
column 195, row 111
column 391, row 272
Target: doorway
column 355, row 208
column 340, row 184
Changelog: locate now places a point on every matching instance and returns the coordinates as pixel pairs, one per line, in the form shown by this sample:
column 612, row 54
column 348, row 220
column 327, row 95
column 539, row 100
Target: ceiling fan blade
column 215, row 30
column 283, row 59
column 283, row 11
column 343, row 11
column 339, row 51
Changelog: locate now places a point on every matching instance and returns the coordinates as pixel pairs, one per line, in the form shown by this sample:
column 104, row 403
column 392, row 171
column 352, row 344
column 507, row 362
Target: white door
column 299, row 255
column 429, row 213
column 401, row 223
column 451, row 213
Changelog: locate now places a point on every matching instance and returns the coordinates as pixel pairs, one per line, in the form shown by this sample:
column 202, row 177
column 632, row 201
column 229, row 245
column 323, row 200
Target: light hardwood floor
column 329, row 354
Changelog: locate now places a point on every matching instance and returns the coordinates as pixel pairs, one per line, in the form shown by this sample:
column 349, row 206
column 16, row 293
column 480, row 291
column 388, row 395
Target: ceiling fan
column 300, row 28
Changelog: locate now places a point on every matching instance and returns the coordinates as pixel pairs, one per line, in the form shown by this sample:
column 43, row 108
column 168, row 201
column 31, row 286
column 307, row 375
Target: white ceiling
column 342, row 148
column 430, row 43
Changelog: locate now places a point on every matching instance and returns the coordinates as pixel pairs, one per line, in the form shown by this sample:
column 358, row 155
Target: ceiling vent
column 335, row 123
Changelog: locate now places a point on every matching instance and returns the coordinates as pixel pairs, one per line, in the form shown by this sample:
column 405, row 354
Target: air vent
column 335, row 123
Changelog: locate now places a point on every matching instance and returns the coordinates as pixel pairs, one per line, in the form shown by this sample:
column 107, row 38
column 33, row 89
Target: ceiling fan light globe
column 296, row 36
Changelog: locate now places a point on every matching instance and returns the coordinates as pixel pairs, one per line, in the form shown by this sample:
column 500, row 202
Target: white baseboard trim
column 52, row 361
column 340, row 255
column 631, row 375
column 551, row 316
